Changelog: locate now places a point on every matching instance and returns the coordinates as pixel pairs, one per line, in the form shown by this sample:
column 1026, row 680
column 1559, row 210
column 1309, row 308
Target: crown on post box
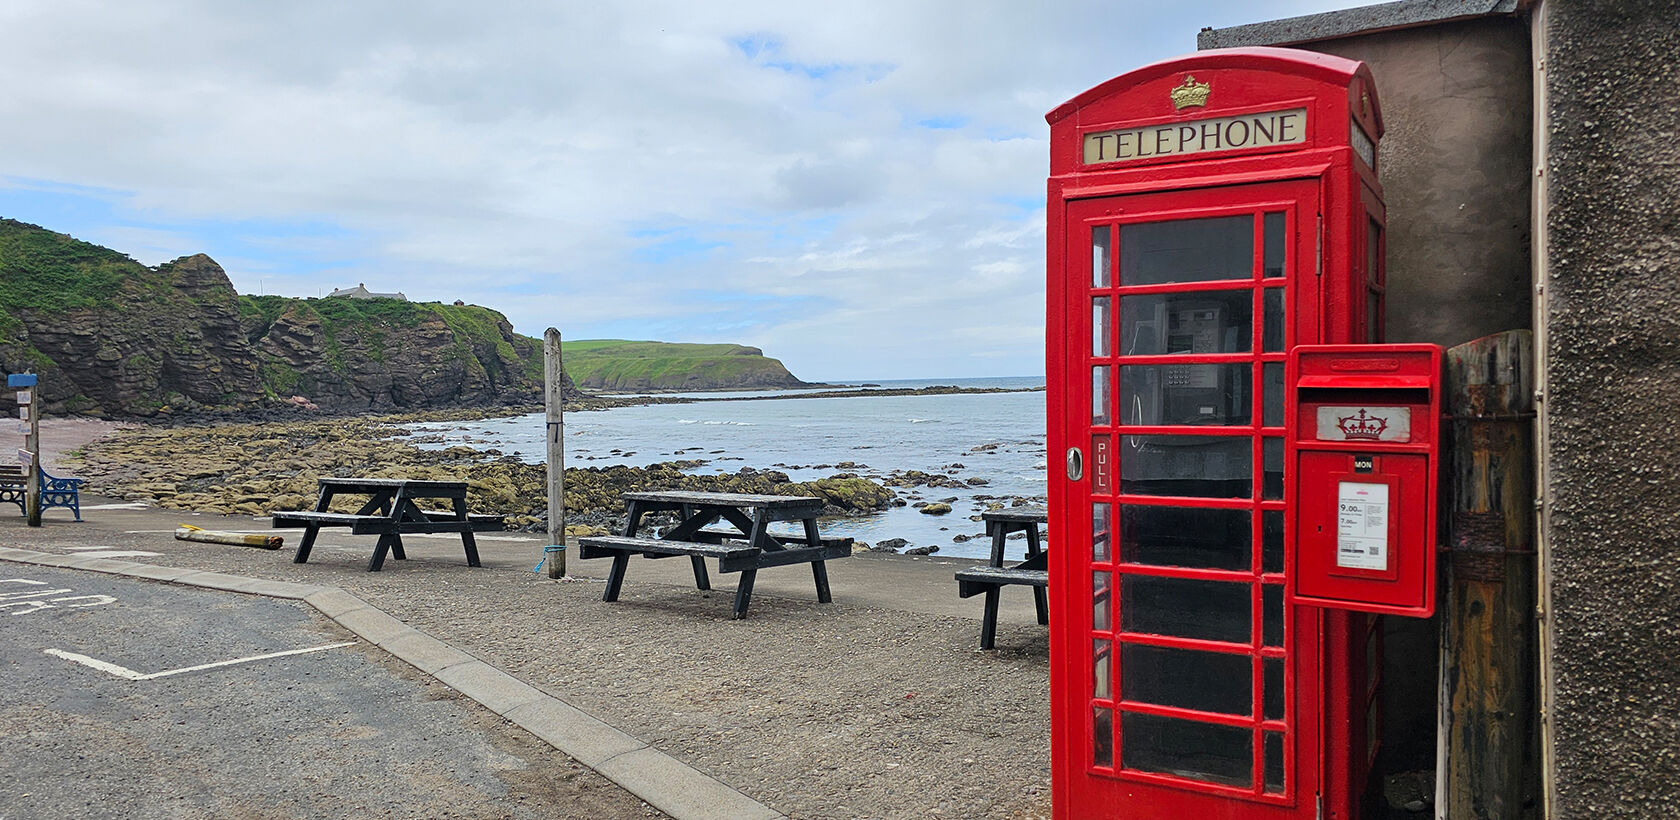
column 1190, row 93
column 1362, row 427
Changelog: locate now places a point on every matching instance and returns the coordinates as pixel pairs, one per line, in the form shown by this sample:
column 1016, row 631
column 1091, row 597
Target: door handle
column 1075, row 464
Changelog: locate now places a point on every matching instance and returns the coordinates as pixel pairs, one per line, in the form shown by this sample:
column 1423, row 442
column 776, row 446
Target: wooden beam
column 1489, row 698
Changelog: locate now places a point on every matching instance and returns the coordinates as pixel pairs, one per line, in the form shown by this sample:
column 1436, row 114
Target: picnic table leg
column 379, row 550
column 305, row 545
column 467, row 541
column 743, row 592
column 397, row 548
column 701, row 580
column 615, row 577
column 1040, row 598
column 988, row 627
column 819, row 570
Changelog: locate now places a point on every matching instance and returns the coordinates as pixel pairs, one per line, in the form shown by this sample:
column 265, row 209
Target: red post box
column 1206, row 215
column 1364, row 444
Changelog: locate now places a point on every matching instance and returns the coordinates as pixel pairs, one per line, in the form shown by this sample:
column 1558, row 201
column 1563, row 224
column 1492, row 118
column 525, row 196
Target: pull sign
column 1075, row 464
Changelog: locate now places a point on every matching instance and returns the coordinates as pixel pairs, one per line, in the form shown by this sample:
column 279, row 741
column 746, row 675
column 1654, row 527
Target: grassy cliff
column 618, row 364
column 111, row 336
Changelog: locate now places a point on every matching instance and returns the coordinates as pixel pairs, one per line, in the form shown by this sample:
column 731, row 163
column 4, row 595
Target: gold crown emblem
column 1190, row 93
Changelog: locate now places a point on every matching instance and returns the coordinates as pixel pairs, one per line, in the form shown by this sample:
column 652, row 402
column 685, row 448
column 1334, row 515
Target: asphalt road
column 124, row 698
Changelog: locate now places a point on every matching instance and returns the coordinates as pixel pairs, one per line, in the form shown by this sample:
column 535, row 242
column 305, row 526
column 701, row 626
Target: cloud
column 850, row 186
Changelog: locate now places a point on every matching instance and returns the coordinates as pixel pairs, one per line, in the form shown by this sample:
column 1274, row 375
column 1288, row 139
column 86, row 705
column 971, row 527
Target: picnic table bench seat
column 974, row 581
column 375, row 524
column 608, row 546
column 716, row 535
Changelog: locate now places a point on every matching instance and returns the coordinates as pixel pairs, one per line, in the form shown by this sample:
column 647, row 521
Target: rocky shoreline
column 246, row 468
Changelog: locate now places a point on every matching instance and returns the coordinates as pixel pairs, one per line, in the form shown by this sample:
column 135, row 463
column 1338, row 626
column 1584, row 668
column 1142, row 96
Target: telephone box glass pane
column 1210, row 394
column 1272, row 399
column 1187, row 250
column 1101, row 614
column 1273, row 611
column 1099, row 394
column 1274, row 695
column 1373, row 253
column 1101, row 650
column 1099, row 326
column 1271, row 340
column 1185, row 748
column 1271, row 536
column 1208, row 321
column 1185, row 537
column 1274, row 762
column 1272, row 477
column 1373, row 316
column 1204, row 681
column 1100, row 529
column 1275, row 244
column 1186, row 608
column 1102, row 736
column 1189, row 466
column 1100, row 259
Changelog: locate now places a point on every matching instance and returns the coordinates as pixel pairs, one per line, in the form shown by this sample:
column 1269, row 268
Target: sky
column 857, row 188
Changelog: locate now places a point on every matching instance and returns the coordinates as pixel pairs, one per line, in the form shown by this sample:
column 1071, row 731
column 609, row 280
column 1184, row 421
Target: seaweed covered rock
column 252, row 469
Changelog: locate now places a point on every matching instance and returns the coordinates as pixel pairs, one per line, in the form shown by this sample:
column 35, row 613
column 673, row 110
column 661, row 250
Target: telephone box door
column 1200, row 688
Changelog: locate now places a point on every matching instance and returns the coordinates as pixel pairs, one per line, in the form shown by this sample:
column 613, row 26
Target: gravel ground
column 819, row 711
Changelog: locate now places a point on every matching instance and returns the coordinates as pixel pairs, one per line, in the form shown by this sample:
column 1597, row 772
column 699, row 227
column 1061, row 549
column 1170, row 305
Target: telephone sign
column 1206, row 216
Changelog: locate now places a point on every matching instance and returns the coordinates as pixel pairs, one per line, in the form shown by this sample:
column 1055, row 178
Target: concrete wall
column 1454, row 164
column 1455, row 167
column 1611, row 325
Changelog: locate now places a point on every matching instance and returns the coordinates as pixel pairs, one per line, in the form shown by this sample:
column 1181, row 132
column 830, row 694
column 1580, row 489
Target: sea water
column 948, row 434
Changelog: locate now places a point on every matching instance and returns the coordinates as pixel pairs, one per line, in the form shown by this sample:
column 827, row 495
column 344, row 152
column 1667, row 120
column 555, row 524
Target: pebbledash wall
column 1531, row 170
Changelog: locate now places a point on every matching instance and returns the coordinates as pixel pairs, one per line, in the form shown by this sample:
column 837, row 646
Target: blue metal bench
column 55, row 492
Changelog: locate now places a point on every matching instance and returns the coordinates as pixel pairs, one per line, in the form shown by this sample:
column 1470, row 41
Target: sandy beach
column 59, row 436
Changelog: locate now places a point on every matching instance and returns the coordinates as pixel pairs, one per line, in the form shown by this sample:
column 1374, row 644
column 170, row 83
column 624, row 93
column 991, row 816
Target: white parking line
column 130, row 674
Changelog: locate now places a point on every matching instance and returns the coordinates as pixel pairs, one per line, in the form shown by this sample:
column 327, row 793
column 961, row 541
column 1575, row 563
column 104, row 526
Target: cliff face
column 109, row 336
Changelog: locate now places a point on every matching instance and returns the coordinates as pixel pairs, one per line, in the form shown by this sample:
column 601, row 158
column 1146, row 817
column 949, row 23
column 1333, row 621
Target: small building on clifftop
column 360, row 291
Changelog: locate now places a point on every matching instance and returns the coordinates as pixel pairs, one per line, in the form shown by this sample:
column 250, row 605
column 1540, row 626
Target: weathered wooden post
column 30, row 455
column 1489, row 713
column 553, row 375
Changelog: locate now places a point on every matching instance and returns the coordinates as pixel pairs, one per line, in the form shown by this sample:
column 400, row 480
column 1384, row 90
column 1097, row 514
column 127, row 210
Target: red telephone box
column 1205, row 216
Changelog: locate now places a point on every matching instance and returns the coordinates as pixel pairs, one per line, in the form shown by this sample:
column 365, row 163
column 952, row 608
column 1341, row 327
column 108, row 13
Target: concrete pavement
column 907, row 585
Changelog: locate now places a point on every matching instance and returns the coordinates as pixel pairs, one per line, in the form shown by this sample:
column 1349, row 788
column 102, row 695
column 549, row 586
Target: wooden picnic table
column 392, row 510
column 743, row 544
column 992, row 578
